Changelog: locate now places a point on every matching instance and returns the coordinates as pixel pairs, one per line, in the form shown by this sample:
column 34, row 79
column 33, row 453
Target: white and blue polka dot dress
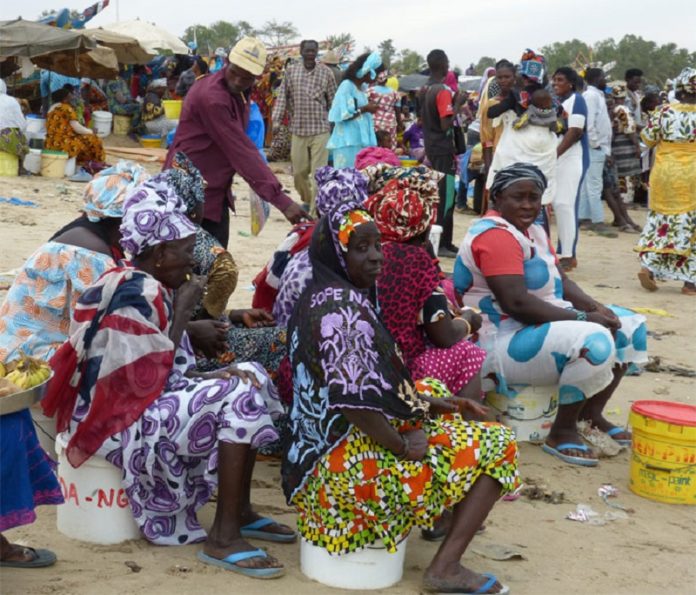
column 578, row 356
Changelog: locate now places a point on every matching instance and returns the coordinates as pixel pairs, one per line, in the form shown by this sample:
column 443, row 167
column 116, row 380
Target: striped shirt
column 307, row 96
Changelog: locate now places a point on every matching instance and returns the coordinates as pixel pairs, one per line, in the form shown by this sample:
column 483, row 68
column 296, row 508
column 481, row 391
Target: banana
column 3, row 370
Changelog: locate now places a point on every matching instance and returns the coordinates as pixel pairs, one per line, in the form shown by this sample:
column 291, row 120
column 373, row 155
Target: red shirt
column 212, row 133
column 497, row 252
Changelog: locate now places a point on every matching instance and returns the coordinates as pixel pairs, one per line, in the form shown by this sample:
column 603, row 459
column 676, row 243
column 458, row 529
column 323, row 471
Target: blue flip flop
column 40, row 559
column 230, row 563
column 571, row 460
column 620, row 441
column 254, row 531
column 484, row 588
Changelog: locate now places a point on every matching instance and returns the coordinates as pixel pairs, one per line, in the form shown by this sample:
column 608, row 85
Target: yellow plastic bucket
column 121, row 125
column 172, row 108
column 151, row 142
column 53, row 163
column 9, row 164
column 663, row 462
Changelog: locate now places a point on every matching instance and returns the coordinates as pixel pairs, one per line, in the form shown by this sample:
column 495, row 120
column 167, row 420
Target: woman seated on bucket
column 65, row 133
column 372, row 454
column 36, row 313
column 539, row 328
column 429, row 330
column 126, row 389
column 12, row 125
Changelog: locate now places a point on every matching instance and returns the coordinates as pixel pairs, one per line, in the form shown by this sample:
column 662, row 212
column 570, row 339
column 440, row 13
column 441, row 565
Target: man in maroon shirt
column 211, row 132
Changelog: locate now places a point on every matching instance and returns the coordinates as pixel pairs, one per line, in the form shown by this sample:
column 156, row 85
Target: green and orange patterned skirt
column 359, row 492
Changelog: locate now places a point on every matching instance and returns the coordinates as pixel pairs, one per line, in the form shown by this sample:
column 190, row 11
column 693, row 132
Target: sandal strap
column 239, row 556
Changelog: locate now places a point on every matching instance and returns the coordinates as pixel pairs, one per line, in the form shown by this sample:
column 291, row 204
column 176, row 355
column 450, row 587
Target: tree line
column 658, row 62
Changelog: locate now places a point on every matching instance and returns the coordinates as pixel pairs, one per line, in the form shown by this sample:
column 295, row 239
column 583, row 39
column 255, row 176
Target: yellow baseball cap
column 250, row 54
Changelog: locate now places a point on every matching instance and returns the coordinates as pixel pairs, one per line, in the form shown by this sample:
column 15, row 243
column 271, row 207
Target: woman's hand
column 229, row 372
column 606, row 318
column 208, row 336
column 252, row 318
column 473, row 318
column 417, row 445
column 190, row 293
column 370, row 108
column 466, row 407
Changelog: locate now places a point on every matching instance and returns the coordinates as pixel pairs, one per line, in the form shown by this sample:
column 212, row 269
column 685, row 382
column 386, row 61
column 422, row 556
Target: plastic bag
column 259, row 211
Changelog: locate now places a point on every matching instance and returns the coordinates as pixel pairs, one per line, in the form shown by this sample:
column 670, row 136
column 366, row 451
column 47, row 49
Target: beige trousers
column 307, row 154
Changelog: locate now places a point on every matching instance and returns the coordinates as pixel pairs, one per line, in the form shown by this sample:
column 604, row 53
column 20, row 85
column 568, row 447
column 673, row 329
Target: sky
column 465, row 30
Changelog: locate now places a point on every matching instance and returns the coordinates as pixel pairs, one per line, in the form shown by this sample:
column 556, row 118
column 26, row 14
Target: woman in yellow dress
column 667, row 245
column 65, row 133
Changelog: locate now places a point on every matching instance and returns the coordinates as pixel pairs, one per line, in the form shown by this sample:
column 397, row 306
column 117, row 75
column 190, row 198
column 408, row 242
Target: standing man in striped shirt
column 306, row 92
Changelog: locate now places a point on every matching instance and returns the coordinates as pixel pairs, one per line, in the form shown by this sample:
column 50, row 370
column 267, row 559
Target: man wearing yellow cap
column 212, row 133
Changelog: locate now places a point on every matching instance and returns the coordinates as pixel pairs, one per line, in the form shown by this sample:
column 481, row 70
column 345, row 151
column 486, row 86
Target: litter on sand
column 653, row 311
column 18, row 202
column 494, row 551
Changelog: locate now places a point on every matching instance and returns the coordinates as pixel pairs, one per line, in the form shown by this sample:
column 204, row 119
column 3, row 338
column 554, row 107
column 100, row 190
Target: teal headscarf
column 372, row 63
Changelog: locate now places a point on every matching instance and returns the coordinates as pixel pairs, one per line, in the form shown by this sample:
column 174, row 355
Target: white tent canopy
column 151, row 37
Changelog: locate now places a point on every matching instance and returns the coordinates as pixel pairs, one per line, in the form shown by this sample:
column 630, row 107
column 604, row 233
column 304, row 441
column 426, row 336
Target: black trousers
column 219, row 229
column 445, row 216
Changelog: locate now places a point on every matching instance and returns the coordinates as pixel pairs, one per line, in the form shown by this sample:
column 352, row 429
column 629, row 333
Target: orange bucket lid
column 674, row 413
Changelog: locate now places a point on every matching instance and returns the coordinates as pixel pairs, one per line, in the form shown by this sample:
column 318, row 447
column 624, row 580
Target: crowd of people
column 360, row 362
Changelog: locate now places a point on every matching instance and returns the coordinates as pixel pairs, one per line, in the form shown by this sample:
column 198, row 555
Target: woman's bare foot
column 457, row 579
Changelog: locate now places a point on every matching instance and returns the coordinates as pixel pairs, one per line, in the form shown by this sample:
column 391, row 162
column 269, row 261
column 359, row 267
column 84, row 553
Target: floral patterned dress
column 60, row 136
column 667, row 245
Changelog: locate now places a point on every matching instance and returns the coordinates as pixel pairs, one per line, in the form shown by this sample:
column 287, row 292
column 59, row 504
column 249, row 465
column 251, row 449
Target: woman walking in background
column 667, row 245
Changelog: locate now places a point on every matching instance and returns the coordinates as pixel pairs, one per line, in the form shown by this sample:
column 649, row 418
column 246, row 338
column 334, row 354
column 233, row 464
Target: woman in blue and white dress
column 539, row 328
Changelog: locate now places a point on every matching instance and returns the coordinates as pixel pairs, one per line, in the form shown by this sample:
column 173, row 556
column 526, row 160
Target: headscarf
column 686, row 81
column 153, row 214
column 533, row 66
column 374, row 155
column 186, row 180
column 404, row 203
column 451, row 81
column 108, row 189
column 618, row 90
column 341, row 355
column 371, row 64
column 336, row 185
column 516, row 172
column 488, row 73
column 11, row 115
column 348, row 226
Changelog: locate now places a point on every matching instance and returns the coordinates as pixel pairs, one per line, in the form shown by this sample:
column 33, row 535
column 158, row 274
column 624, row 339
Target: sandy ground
column 650, row 552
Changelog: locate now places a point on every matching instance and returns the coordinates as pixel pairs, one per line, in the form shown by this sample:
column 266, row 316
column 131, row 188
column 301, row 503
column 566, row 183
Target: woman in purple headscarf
column 126, row 388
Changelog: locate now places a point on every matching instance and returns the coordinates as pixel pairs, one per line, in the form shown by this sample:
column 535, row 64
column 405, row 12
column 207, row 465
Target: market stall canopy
column 412, row 82
column 151, row 37
column 127, row 48
column 99, row 63
column 20, row 38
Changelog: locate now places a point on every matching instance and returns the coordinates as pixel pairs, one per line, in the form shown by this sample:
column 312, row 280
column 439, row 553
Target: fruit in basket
column 3, row 370
column 27, row 372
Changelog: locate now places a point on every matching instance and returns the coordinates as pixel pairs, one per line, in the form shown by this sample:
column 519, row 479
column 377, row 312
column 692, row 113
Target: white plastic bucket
column 530, row 414
column 32, row 161
column 96, row 508
column 102, row 123
column 368, row 569
column 70, row 166
column 435, row 233
column 35, row 125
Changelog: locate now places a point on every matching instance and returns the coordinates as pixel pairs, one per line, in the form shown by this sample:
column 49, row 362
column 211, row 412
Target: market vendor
column 211, row 132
